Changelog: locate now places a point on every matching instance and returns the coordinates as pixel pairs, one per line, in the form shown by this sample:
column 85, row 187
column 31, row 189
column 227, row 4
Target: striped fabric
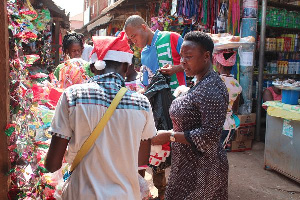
column 101, row 90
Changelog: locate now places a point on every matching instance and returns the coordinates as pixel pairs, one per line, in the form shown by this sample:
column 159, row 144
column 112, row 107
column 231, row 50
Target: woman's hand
column 161, row 138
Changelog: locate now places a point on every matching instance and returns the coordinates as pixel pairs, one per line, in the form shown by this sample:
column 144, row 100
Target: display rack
column 289, row 7
column 265, row 55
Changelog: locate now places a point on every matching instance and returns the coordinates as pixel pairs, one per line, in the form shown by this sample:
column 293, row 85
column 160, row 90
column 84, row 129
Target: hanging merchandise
column 28, row 138
column 233, row 25
column 188, row 8
column 250, row 8
column 204, row 12
column 174, row 6
column 161, row 21
column 222, row 18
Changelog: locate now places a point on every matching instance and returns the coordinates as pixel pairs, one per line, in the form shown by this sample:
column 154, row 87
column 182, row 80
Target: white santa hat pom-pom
column 100, row 65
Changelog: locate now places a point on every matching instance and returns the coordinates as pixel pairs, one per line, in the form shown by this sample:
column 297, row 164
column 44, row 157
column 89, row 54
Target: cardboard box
column 237, row 146
column 245, row 133
column 247, row 120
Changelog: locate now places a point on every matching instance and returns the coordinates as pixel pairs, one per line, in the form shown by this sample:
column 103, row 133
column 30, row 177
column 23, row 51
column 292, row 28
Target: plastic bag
column 144, row 188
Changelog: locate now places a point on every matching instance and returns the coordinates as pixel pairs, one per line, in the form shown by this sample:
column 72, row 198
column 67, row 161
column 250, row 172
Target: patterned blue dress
column 200, row 170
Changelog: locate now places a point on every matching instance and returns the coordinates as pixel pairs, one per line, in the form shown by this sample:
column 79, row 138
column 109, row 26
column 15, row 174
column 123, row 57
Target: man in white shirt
column 87, row 49
column 109, row 171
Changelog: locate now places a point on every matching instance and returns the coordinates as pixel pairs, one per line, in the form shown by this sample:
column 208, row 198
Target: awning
column 99, row 22
column 55, row 10
column 104, row 16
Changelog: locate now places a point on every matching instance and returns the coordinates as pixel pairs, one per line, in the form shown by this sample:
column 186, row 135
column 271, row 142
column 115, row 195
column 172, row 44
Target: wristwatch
column 172, row 137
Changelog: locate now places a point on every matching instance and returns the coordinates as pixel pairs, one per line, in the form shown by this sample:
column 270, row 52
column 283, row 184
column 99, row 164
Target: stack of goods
column 281, row 18
column 288, row 48
column 294, row 2
column 284, row 43
column 283, row 67
column 244, row 134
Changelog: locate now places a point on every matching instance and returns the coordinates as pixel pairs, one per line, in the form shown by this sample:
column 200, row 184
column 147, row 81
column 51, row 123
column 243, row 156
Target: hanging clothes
column 222, row 18
column 233, row 24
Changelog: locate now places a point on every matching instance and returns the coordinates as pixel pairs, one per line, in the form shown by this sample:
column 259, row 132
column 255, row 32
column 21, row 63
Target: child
column 74, row 70
column 225, row 61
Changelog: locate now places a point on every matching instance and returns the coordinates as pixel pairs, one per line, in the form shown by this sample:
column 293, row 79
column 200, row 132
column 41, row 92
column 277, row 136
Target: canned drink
column 296, row 43
column 298, row 67
column 280, row 44
column 268, row 44
column 287, row 44
column 273, row 45
column 279, row 66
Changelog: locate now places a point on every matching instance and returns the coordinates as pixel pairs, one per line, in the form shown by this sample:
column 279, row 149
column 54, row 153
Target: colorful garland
column 27, row 131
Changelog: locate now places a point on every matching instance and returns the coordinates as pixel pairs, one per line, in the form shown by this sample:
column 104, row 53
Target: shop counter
column 282, row 142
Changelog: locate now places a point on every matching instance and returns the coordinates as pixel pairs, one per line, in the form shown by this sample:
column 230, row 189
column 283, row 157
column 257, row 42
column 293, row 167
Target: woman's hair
column 72, row 38
column 201, row 39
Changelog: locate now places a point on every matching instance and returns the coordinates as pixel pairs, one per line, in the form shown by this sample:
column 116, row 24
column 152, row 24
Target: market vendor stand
column 276, row 22
column 4, row 100
column 282, row 142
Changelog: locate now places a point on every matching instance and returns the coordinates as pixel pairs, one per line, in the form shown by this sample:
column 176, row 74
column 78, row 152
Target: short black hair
column 201, row 39
column 72, row 38
column 113, row 64
column 134, row 21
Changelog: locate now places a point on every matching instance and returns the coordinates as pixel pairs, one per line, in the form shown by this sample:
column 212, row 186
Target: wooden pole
column 57, row 46
column 4, row 99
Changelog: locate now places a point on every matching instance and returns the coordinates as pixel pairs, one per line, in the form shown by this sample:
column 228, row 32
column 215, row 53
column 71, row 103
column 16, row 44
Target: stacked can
column 281, row 18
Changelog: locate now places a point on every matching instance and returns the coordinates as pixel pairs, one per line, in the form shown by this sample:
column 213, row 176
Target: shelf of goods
column 282, row 48
column 282, row 51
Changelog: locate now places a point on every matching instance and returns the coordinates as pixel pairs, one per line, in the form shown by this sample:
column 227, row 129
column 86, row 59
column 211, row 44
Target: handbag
column 98, row 130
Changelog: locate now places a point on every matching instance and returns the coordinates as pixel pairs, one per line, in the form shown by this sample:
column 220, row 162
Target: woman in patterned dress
column 199, row 163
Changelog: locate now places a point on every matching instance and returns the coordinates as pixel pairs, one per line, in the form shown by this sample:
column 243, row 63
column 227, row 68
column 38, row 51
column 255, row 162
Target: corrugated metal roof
column 99, row 22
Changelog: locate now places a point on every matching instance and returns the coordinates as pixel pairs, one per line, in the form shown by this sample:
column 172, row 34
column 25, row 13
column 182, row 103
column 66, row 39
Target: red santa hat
column 110, row 48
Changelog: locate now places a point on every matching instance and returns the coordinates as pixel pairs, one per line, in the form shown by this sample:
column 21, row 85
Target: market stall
column 282, row 142
column 278, row 50
column 32, row 32
column 282, row 131
column 30, row 28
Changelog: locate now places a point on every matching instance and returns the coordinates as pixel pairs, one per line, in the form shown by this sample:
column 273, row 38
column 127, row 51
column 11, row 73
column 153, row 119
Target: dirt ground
column 249, row 181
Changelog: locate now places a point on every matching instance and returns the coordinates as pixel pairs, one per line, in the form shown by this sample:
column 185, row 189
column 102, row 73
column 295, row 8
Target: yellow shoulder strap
column 99, row 128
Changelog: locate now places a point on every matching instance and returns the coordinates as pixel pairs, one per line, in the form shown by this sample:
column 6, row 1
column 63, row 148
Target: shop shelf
column 283, row 29
column 283, row 75
column 289, row 7
column 278, row 75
